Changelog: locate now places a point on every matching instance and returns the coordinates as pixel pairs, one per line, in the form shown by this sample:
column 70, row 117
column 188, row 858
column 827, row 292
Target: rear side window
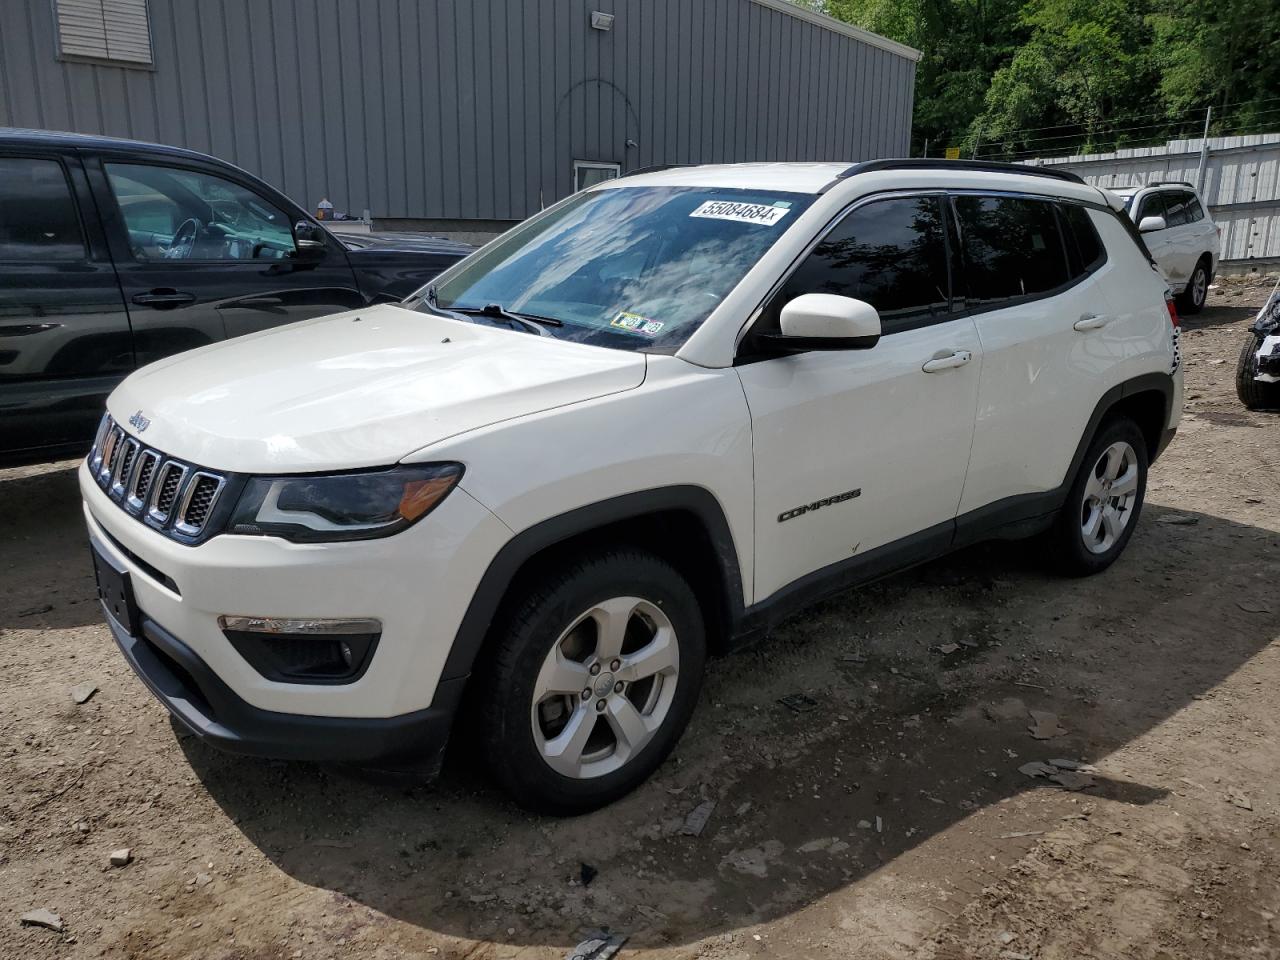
column 1194, row 210
column 890, row 253
column 1084, row 246
column 1012, row 248
column 38, row 219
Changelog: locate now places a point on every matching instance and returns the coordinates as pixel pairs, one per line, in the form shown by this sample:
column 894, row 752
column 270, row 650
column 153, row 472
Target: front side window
column 1012, row 248
column 639, row 268
column 1152, row 206
column 890, row 253
column 38, row 219
column 175, row 214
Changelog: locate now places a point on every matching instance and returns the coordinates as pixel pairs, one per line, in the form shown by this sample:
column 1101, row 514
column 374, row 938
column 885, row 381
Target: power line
column 1173, row 117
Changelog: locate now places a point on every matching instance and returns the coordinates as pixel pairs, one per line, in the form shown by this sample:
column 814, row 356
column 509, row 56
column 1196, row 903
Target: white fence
column 1239, row 180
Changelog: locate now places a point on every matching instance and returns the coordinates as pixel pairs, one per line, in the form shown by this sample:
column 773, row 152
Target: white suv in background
column 640, row 427
column 1182, row 237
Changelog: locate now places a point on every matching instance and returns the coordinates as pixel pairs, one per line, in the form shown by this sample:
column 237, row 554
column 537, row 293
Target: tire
column 1092, row 500
column 1191, row 300
column 565, row 753
column 1253, row 393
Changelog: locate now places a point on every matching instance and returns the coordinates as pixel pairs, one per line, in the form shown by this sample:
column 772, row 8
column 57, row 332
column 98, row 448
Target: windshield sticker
column 634, row 323
column 742, row 212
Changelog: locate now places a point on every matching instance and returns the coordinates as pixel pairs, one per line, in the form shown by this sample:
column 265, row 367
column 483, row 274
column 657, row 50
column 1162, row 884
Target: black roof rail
column 930, row 163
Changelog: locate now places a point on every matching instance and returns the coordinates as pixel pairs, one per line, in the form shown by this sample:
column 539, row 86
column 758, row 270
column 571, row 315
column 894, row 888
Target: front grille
column 167, row 494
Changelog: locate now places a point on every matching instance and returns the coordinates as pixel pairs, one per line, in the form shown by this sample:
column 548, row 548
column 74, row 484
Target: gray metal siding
column 467, row 109
column 1241, row 184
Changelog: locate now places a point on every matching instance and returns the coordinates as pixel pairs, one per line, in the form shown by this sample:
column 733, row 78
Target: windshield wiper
column 496, row 311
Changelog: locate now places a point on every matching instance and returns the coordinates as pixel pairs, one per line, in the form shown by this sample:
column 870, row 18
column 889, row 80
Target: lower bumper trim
column 202, row 702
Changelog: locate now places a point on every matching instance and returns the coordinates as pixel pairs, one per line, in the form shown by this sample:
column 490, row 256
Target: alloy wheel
column 1109, row 497
column 605, row 687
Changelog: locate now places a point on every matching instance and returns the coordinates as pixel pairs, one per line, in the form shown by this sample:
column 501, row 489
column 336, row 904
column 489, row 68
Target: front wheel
column 1104, row 502
column 1191, row 300
column 1254, row 393
column 594, row 677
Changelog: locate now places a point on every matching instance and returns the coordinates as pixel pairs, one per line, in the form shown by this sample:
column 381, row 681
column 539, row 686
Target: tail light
column 1172, row 308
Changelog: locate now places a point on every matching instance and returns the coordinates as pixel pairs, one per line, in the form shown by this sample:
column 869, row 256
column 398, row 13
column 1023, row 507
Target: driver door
column 203, row 256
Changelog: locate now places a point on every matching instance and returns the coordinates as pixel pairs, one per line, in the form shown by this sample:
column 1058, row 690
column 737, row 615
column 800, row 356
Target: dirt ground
column 888, row 821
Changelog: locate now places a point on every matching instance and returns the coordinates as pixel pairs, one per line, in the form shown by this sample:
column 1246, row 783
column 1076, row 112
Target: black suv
column 115, row 253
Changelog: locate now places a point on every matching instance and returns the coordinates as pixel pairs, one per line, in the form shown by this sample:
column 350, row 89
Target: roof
column 817, row 178
column 788, row 177
column 58, row 138
column 839, row 26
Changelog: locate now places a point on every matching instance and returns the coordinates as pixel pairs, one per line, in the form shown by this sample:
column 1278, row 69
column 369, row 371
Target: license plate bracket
column 115, row 591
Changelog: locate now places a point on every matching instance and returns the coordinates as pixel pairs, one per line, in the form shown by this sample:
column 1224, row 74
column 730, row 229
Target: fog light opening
column 304, row 650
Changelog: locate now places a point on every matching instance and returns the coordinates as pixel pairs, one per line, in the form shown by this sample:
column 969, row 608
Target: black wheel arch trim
column 508, row 561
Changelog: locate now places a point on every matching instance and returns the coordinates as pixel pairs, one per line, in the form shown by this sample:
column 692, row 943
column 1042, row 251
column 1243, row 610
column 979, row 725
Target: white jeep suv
column 640, row 427
column 1181, row 236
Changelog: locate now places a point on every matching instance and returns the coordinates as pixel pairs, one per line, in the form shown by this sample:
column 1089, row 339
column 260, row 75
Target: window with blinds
column 116, row 30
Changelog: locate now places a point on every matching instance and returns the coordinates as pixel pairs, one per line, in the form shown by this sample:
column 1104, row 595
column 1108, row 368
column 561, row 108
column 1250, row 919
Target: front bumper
column 211, row 710
column 203, row 703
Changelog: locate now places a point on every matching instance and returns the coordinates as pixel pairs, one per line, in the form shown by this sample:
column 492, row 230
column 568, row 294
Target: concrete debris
column 864, row 824
column 798, row 702
column 1067, row 764
column 1037, row 768
column 82, row 827
column 81, row 692
column 598, row 946
column 813, row 846
column 1238, row 799
column 696, row 822
column 949, row 648
column 42, row 918
column 1020, row 834
column 122, row 857
column 1012, row 955
column 1007, row 938
column 1044, row 725
column 1072, row 780
column 879, row 825
column 483, row 897
column 203, row 880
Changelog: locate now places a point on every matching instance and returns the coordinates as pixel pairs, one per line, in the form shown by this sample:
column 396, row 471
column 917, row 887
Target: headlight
column 348, row 506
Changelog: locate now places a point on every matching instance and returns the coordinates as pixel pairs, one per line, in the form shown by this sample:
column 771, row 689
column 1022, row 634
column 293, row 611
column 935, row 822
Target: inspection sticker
column 741, row 212
column 634, row 323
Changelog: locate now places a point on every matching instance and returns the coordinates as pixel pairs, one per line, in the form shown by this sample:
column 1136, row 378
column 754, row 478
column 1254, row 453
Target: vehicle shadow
column 1219, row 315
column 906, row 738
column 40, row 527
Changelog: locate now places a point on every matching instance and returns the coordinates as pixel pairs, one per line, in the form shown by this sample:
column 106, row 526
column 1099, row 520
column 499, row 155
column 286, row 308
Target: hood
column 404, row 242
column 357, row 389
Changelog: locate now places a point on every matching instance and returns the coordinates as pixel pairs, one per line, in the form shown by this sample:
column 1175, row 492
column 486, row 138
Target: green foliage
column 1020, row 77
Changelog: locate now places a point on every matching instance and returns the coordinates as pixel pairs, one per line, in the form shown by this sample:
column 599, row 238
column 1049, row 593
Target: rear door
column 1184, row 232
column 64, row 331
column 1048, row 339
column 203, row 253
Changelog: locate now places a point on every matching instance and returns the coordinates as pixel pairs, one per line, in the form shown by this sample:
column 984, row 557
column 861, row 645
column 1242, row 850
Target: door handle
column 957, row 359
column 164, row 299
column 1091, row 321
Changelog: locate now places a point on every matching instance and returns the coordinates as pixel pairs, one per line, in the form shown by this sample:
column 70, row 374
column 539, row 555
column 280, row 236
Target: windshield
column 639, row 268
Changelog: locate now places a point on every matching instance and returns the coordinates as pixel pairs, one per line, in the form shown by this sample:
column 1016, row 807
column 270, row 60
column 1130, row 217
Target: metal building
column 432, row 112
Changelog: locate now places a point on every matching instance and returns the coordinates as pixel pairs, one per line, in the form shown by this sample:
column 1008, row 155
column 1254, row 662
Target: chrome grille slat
column 145, row 472
column 173, row 496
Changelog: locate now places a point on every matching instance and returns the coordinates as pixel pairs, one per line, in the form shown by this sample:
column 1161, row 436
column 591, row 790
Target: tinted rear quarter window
column 891, row 253
column 38, row 219
column 1089, row 253
column 1177, row 210
column 1012, row 248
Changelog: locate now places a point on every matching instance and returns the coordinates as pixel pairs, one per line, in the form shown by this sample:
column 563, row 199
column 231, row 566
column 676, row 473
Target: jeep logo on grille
column 139, row 421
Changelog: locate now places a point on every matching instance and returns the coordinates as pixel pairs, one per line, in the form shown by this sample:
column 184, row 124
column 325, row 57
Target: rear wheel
column 1192, row 299
column 1253, row 393
column 1104, row 502
column 592, row 682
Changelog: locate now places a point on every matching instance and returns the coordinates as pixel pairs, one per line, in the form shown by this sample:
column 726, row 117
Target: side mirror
column 309, row 240
column 824, row 321
column 1151, row 224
